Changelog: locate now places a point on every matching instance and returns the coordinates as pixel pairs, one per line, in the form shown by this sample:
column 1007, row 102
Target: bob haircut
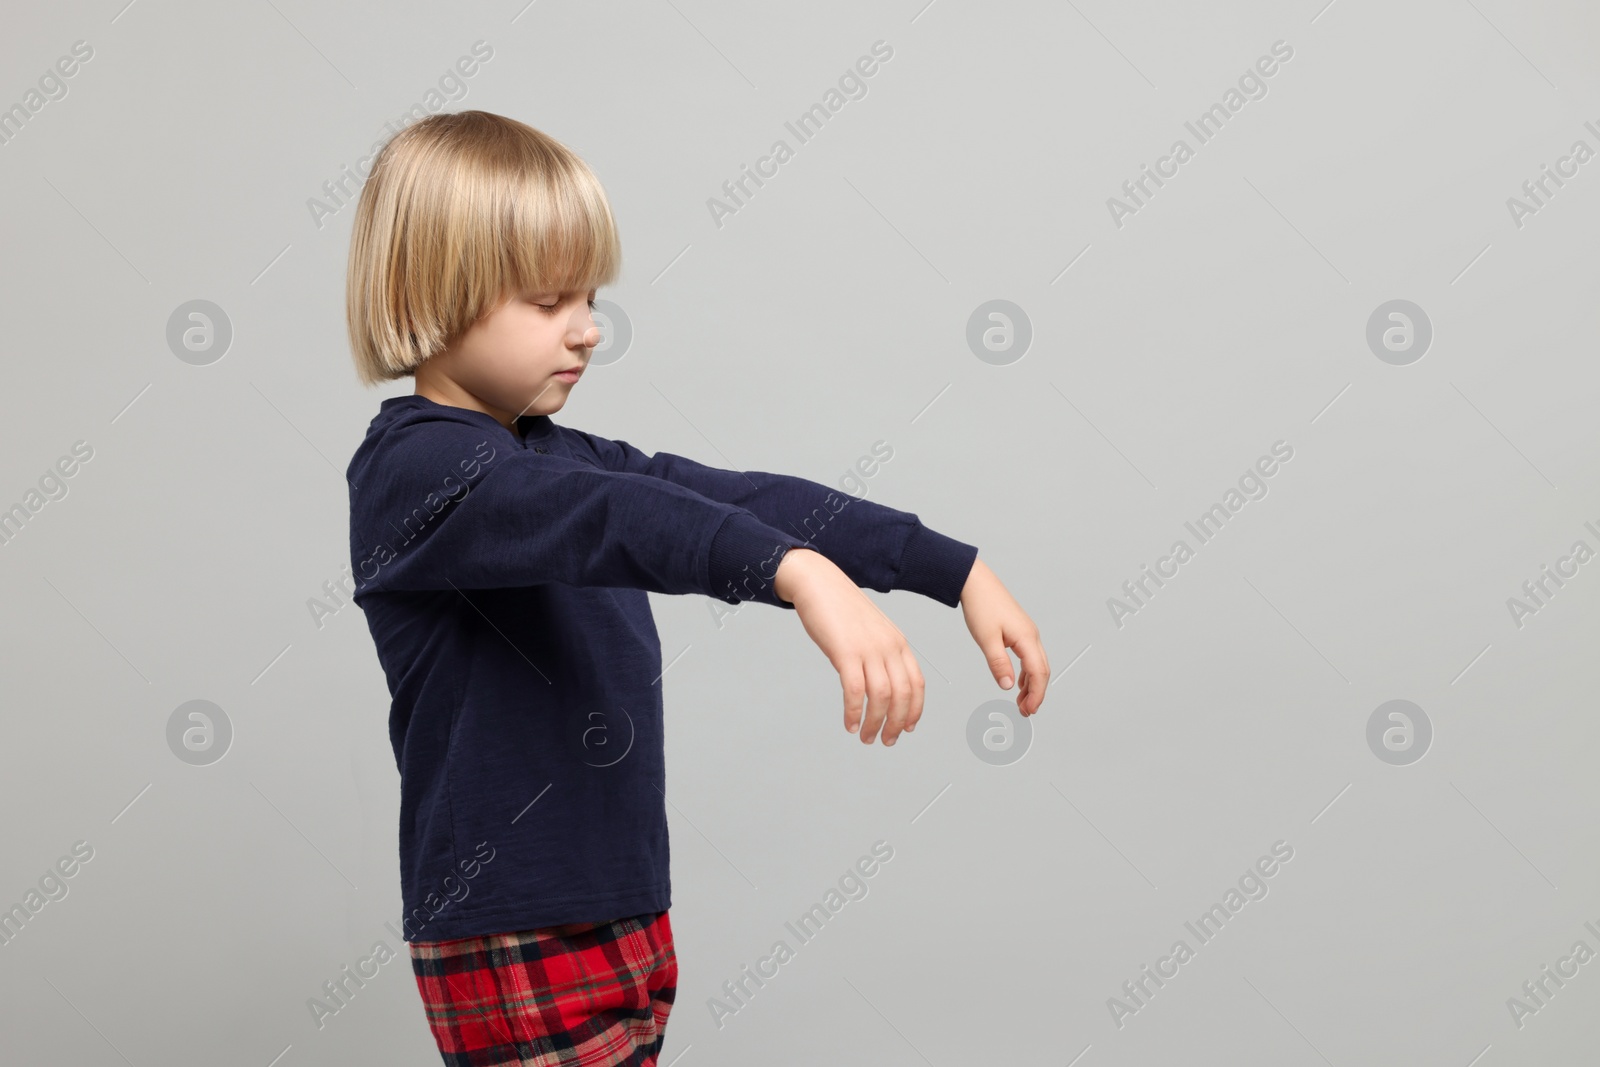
column 462, row 211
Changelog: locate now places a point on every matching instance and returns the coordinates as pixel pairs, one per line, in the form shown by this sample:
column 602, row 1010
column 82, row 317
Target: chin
column 552, row 402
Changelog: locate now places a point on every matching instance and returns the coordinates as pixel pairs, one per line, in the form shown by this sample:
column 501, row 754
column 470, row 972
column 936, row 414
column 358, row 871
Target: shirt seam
column 703, row 552
column 549, row 902
column 464, row 915
column 449, row 774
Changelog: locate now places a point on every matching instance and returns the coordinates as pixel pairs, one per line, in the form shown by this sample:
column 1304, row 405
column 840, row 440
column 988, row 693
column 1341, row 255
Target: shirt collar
column 529, row 427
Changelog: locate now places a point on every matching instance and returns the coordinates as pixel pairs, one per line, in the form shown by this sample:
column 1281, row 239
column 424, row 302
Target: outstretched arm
column 517, row 518
column 878, row 547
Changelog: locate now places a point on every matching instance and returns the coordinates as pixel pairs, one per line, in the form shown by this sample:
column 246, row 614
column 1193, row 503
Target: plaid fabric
column 581, row 995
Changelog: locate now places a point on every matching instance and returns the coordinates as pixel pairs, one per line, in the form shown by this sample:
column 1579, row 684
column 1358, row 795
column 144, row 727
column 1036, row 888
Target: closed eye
column 552, row 307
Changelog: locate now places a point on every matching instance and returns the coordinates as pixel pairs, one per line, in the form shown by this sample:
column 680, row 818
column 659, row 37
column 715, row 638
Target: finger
column 994, row 651
column 900, row 697
column 1031, row 694
column 1035, row 673
column 878, row 693
column 855, row 690
column 919, row 688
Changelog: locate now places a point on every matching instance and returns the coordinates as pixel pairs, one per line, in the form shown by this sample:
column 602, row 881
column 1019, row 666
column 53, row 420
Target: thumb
column 994, row 650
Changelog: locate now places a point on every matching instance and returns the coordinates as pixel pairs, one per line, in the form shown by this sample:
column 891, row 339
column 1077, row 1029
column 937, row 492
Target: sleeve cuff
column 744, row 558
column 935, row 565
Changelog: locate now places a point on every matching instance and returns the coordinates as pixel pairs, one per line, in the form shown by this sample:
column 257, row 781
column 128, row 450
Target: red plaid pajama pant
column 582, row 995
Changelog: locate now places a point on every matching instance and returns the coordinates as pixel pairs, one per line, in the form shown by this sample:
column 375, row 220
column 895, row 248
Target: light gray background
column 831, row 313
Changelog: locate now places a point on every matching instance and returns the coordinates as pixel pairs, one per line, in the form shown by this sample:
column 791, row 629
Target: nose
column 582, row 325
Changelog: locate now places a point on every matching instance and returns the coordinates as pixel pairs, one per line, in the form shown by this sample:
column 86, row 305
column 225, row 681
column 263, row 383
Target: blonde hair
column 462, row 210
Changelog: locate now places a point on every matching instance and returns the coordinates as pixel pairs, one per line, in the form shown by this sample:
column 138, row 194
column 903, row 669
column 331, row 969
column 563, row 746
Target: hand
column 997, row 623
column 868, row 651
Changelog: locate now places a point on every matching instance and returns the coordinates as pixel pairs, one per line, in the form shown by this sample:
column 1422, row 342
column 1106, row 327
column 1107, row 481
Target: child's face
column 511, row 361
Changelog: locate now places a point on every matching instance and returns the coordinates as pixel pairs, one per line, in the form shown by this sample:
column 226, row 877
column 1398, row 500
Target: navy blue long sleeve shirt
column 504, row 578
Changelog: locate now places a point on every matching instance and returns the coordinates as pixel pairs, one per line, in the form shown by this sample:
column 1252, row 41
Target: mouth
column 571, row 374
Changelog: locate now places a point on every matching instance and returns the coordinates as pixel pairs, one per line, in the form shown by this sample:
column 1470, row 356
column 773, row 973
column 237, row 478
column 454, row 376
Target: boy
column 503, row 561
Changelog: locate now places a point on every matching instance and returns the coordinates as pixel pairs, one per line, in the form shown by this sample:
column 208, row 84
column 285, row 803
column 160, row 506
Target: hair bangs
column 559, row 235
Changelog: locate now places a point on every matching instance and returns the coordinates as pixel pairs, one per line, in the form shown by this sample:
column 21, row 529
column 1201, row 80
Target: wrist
column 794, row 569
column 980, row 572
